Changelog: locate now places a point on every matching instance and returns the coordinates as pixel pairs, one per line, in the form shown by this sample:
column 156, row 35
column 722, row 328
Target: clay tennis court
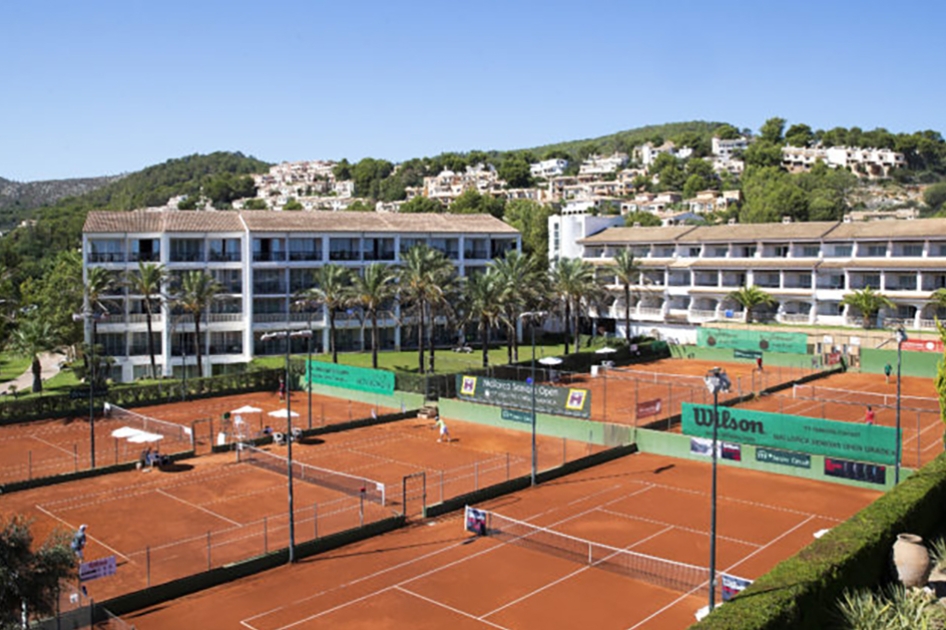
column 617, row 392
column 53, row 447
column 438, row 575
column 210, row 510
column 845, row 397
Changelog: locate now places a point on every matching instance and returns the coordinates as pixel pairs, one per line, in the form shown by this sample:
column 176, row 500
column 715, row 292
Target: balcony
column 344, row 255
column 106, row 257
column 701, row 315
column 187, row 257
column 476, row 254
column 269, row 288
column 270, row 318
column 306, row 256
column 225, row 317
column 142, row 318
column 144, row 257
column 224, row 257
column 379, row 256
column 269, row 256
column 794, row 318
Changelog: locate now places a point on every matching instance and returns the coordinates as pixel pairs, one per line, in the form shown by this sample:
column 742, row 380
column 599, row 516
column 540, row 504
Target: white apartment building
column 262, row 260
column 567, row 231
column 870, row 163
column 688, row 272
column 726, row 149
column 647, row 152
column 548, row 168
column 602, row 165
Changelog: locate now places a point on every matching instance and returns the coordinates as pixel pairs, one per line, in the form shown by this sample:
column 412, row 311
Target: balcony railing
column 379, row 256
column 344, row 255
column 794, row 318
column 269, row 256
column 225, row 257
column 270, row 288
column 144, row 257
column 106, row 257
column 302, row 256
column 647, row 311
column 187, row 257
column 702, row 314
column 225, row 317
column 928, row 323
column 269, row 318
column 142, row 318
column 475, row 254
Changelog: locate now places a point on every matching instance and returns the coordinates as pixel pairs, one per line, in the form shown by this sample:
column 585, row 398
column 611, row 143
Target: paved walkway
column 50, row 362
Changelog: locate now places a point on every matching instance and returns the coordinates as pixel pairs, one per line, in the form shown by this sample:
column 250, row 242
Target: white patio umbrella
column 551, row 361
column 125, row 432
column 281, row 413
column 246, row 409
column 606, row 350
column 145, row 437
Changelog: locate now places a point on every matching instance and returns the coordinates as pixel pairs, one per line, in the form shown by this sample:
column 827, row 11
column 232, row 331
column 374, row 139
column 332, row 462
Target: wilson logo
column 727, row 421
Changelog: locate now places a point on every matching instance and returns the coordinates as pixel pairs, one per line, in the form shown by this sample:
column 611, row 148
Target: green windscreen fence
column 856, row 441
column 350, row 377
column 752, row 340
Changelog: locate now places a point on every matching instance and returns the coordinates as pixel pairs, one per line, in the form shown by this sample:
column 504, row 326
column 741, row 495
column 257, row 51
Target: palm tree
column 867, row 302
column 485, row 293
column 32, row 337
column 99, row 282
column 371, row 290
column 523, row 283
column 938, row 299
column 330, row 290
column 442, row 303
column 750, row 297
column 573, row 281
column 419, row 275
column 148, row 283
column 198, row 290
column 627, row 270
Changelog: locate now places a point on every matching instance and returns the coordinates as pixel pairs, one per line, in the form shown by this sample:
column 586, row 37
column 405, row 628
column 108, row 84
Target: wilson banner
column 558, row 401
column 861, row 442
column 767, row 341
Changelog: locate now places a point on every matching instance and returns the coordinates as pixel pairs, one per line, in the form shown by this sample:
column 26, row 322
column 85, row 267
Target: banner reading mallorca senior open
column 350, row 377
column 852, row 440
column 558, row 401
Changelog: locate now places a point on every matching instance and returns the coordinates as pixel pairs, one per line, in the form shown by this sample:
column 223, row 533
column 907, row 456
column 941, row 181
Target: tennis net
column 677, row 576
column 171, row 430
column 342, row 482
column 819, row 392
column 646, row 376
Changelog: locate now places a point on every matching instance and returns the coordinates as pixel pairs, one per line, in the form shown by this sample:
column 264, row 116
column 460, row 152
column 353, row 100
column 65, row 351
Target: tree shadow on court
column 176, row 467
column 375, row 552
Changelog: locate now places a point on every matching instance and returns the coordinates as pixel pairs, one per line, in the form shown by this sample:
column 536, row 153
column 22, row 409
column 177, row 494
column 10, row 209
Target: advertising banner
column 732, row 585
column 724, row 450
column 861, row 442
column 648, row 408
column 766, row 341
column 857, row 471
column 95, row 569
column 350, row 377
column 558, row 401
column 783, row 458
column 920, row 345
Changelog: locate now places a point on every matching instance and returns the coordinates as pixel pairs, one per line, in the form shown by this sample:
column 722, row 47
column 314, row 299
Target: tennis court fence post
column 148, row 565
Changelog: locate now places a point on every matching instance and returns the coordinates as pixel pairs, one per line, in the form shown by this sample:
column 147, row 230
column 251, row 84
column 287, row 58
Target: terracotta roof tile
column 272, row 221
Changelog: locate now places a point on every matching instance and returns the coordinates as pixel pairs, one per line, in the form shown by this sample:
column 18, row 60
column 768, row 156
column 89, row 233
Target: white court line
column 680, row 527
column 48, row 443
column 729, row 568
column 450, row 608
column 572, row 574
column 70, row 526
column 194, row 505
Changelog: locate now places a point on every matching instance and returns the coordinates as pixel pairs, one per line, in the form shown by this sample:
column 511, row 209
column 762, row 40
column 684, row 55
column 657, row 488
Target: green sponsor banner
column 861, row 442
column 783, row 458
column 746, row 354
column 512, row 415
column 766, row 341
column 350, row 377
column 558, row 401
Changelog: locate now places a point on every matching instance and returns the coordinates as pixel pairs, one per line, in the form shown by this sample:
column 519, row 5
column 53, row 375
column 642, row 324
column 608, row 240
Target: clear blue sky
column 105, row 87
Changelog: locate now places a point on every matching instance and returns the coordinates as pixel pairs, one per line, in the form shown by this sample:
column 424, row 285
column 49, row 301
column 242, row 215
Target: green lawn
column 448, row 361
column 12, row 367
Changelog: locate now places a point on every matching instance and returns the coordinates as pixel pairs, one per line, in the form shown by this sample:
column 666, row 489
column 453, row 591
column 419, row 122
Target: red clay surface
column 437, row 576
column 52, row 447
column 210, row 510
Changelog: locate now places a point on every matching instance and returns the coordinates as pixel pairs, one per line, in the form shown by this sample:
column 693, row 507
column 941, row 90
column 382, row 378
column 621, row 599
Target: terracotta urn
column 912, row 560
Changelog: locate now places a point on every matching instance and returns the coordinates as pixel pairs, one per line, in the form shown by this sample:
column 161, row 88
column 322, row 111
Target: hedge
column 802, row 591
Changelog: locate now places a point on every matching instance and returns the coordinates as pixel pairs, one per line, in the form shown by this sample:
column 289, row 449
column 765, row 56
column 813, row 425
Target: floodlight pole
column 532, row 315
column 292, row 518
column 90, row 317
column 716, row 380
column 901, row 337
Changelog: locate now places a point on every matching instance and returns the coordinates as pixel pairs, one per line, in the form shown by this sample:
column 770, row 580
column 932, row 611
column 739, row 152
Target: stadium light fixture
column 716, row 381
